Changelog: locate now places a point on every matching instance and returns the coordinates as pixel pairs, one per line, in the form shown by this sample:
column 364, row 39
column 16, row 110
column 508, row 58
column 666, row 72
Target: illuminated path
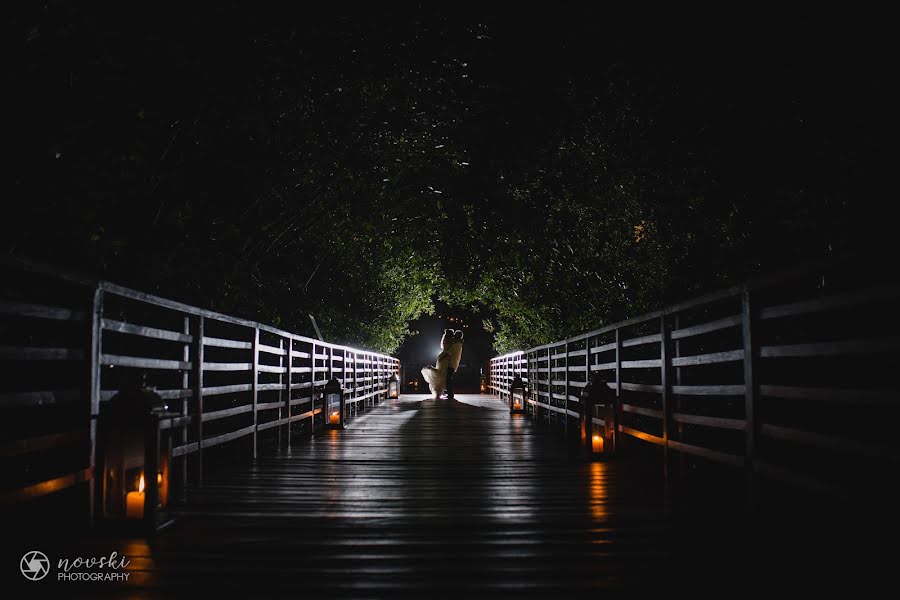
column 416, row 494
column 419, row 495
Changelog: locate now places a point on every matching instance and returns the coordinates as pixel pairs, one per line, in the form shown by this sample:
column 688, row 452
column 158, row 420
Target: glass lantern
column 333, row 404
column 393, row 387
column 518, row 394
column 134, row 446
column 598, row 440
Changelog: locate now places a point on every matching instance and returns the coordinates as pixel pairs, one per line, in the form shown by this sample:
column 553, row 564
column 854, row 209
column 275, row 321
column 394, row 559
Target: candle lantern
column 134, row 445
column 333, row 404
column 393, row 387
column 518, row 394
column 482, row 387
column 600, row 401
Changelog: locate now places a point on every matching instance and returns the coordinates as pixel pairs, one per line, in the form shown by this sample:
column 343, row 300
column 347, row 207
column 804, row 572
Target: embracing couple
column 440, row 376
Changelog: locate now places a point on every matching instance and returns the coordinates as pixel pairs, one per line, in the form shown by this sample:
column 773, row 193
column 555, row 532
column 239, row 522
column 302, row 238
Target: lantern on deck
column 333, row 405
column 393, row 387
column 134, row 445
column 482, row 387
column 517, row 396
column 598, row 439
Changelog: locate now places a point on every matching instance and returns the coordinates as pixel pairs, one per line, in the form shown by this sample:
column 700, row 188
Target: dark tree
column 554, row 170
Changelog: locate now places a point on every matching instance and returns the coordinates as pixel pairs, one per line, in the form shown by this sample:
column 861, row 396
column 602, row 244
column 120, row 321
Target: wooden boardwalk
column 780, row 387
column 449, row 495
column 419, row 495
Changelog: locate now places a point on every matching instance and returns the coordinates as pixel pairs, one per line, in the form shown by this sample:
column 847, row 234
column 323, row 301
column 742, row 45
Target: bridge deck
column 443, row 495
column 422, row 493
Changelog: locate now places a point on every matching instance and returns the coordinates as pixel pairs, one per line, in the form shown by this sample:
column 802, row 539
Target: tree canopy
column 555, row 172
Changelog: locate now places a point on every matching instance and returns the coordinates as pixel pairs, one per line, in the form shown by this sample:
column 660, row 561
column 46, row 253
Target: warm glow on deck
column 597, row 490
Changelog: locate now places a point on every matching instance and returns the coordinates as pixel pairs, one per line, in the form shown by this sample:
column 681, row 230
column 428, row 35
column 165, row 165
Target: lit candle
column 597, row 443
column 134, row 502
column 335, row 417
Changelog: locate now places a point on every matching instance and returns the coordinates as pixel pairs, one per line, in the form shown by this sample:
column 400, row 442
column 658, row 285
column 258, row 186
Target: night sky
column 253, row 159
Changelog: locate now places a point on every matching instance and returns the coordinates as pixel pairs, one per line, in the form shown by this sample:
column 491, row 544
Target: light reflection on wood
column 598, row 491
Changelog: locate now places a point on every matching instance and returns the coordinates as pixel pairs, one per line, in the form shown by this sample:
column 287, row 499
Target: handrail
column 255, row 376
column 743, row 346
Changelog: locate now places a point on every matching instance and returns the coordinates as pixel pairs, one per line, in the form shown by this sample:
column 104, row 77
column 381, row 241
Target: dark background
column 423, row 349
column 279, row 160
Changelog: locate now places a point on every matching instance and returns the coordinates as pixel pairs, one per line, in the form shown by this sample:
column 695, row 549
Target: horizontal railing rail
column 70, row 340
column 792, row 376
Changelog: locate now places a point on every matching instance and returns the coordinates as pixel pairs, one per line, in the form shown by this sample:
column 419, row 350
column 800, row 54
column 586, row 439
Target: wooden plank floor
column 419, row 495
column 426, row 494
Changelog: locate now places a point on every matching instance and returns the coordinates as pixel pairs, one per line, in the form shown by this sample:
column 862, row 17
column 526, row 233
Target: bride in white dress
column 436, row 376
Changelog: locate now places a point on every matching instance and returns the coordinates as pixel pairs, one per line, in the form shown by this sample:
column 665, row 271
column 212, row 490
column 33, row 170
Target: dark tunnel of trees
column 554, row 172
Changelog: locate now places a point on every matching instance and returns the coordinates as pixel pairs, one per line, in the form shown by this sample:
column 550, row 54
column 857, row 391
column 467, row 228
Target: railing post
column 532, row 380
column 679, row 427
column 95, row 342
column 344, row 371
column 289, row 361
column 381, row 389
column 549, row 382
column 510, row 368
column 312, row 388
column 280, row 389
column 512, row 375
column 618, row 383
column 750, row 392
column 185, row 411
column 355, row 376
column 665, row 360
column 507, row 377
column 566, row 392
column 254, row 389
column 198, row 403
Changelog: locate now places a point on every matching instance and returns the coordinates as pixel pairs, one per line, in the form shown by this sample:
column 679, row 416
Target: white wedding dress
column 437, row 376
